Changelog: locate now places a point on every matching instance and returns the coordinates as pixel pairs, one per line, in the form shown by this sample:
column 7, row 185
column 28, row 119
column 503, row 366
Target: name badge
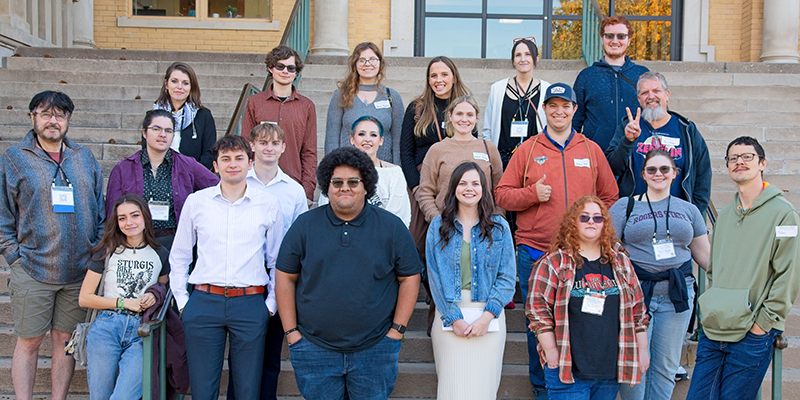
column 670, row 141
column 480, row 156
column 268, row 122
column 159, row 210
column 519, row 129
column 786, row 231
column 62, row 199
column 444, row 125
column 382, row 104
column 663, row 249
column 593, row 303
column 582, row 162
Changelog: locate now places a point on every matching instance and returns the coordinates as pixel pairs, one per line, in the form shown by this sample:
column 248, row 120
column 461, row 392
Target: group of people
column 591, row 195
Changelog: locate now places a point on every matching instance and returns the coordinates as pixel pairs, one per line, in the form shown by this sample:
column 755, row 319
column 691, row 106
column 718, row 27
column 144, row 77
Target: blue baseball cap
column 560, row 90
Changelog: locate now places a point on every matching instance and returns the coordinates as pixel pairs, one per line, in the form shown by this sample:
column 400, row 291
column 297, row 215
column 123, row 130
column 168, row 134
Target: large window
column 203, row 9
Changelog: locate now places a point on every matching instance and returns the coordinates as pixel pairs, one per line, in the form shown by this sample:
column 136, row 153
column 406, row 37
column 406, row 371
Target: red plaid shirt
column 547, row 309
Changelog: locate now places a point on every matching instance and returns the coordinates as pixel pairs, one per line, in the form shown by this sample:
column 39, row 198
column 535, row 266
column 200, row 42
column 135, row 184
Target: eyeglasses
column 664, row 169
column 157, row 130
column 746, row 157
column 352, row 183
column 291, row 68
column 620, row 36
column 598, row 219
column 371, row 61
column 531, row 38
column 47, row 115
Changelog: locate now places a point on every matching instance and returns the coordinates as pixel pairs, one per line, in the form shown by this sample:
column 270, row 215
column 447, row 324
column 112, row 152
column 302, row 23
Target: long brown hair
column 450, row 210
column 348, row 87
column 194, row 91
column 567, row 238
column 424, row 104
column 114, row 239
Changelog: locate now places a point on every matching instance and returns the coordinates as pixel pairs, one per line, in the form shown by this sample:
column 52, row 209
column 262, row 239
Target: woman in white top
column 511, row 112
column 390, row 194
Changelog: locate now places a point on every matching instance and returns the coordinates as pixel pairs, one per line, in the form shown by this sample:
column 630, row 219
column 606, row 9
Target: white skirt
column 468, row 368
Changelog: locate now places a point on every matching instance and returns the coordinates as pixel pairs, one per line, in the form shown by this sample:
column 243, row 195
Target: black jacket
column 198, row 138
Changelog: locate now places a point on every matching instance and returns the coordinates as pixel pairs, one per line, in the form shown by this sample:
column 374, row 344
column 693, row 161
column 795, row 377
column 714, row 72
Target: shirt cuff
column 181, row 299
column 272, row 304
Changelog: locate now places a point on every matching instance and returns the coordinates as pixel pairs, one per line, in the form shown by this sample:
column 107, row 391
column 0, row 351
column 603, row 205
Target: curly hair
column 450, row 210
column 567, row 238
column 281, row 53
column 351, row 157
column 163, row 99
column 424, row 105
column 349, row 85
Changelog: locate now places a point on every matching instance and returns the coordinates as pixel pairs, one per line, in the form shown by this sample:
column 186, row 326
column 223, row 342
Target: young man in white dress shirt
column 238, row 229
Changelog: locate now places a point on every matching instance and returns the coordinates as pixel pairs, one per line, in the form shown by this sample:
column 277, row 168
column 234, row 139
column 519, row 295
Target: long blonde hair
column 425, row 107
column 348, row 87
column 449, row 128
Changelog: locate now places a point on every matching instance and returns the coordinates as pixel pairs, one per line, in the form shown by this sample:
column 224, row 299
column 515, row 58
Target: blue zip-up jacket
column 602, row 97
column 52, row 247
column 493, row 268
column 696, row 182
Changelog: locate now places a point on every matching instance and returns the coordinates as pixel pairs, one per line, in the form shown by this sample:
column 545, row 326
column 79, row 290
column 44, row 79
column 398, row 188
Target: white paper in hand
column 471, row 315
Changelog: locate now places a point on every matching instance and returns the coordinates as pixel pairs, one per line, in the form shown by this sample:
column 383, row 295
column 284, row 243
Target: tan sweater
column 442, row 159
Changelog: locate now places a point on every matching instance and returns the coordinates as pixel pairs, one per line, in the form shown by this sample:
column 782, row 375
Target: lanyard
column 655, row 222
column 58, row 163
column 521, row 98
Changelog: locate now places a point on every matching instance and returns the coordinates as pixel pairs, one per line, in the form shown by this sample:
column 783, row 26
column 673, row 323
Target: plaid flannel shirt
column 547, row 309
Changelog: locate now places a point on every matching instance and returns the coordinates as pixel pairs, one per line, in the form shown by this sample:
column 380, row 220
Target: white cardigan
column 491, row 119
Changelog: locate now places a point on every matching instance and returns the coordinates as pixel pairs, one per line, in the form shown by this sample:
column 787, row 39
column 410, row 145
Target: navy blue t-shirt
column 667, row 137
column 347, row 285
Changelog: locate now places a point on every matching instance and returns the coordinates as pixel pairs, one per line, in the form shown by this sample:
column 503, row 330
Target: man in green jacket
column 754, row 280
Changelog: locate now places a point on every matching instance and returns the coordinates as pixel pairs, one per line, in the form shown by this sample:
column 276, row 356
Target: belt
column 165, row 232
column 230, row 291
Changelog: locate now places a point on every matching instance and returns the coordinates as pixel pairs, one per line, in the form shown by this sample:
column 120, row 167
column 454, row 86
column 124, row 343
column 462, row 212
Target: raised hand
column 633, row 130
column 543, row 191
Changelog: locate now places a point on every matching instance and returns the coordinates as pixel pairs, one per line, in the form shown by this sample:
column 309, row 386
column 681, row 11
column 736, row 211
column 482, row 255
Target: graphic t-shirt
column 667, row 137
column 594, row 339
column 133, row 271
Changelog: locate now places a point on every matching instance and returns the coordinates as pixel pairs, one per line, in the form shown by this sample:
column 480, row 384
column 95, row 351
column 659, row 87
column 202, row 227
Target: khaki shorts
column 39, row 307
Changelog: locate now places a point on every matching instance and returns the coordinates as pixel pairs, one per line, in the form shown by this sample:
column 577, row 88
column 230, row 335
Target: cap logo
column 557, row 90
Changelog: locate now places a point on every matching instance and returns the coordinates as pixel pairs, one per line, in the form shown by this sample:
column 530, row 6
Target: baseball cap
column 560, row 90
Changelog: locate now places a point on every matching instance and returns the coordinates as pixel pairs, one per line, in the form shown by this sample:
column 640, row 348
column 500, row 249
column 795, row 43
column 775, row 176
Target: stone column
column 781, row 26
column 330, row 28
column 83, row 24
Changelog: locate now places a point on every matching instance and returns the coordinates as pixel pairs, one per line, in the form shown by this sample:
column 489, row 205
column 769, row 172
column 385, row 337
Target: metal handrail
column 591, row 45
column 145, row 331
column 235, row 125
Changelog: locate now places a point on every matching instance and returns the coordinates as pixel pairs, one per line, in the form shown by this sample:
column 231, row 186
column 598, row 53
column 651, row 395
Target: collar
column 357, row 221
column 271, row 94
column 279, row 177
column 558, row 145
column 249, row 192
column 146, row 157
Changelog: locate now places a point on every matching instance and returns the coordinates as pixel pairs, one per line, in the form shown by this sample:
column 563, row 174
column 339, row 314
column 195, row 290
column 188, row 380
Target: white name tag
column 786, row 231
column 159, row 210
column 268, row 122
column 670, row 141
column 471, row 315
column 382, row 104
column 519, row 129
column 62, row 199
column 663, row 250
column 582, row 162
column 593, row 303
column 480, row 156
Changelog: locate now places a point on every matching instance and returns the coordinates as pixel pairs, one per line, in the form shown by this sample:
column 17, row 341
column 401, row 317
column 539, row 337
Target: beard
column 653, row 114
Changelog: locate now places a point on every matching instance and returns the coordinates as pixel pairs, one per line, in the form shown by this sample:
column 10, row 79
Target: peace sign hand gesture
column 633, row 130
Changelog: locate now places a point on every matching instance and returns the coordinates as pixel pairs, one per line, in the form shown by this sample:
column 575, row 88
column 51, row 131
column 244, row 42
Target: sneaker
column 681, row 375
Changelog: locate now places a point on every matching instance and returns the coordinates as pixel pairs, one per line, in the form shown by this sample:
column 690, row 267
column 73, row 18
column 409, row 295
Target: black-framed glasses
column 746, row 157
column 620, row 36
column 157, row 130
column 664, row 169
column 47, row 115
column 371, row 61
column 352, row 183
column 291, row 68
column 531, row 38
column 598, row 219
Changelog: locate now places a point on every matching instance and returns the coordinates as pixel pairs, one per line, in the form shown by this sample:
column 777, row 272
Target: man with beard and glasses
column 656, row 127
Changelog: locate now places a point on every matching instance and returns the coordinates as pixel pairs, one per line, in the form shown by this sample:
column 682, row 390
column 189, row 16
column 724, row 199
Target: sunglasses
column 291, row 68
column 352, row 183
column 531, row 38
column 620, row 36
column 598, row 219
column 664, row 169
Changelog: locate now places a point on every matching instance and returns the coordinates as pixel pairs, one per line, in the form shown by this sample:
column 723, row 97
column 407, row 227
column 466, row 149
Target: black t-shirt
column 514, row 110
column 347, row 285
column 594, row 339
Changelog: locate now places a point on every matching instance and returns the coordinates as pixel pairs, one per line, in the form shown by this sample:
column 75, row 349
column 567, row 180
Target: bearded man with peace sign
column 654, row 126
column 546, row 173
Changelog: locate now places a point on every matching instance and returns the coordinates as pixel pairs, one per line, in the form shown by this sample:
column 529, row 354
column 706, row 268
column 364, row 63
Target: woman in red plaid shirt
column 587, row 309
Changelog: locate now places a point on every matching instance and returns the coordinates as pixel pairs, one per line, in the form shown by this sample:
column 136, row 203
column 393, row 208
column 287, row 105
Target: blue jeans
column 524, row 270
column 666, row 333
column 323, row 374
column 582, row 389
column 731, row 370
column 114, row 352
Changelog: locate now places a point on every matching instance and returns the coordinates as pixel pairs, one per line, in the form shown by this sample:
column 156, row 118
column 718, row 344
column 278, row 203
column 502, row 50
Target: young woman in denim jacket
column 471, row 277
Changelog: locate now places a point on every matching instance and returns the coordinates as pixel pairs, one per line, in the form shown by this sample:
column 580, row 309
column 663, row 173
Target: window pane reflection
column 164, row 8
column 568, row 7
column 650, row 41
column 643, row 7
column 453, row 37
column 566, row 40
column 450, row 6
column 238, row 8
column 500, row 34
column 527, row 7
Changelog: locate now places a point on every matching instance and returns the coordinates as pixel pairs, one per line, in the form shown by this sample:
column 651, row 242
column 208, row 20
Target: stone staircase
column 113, row 88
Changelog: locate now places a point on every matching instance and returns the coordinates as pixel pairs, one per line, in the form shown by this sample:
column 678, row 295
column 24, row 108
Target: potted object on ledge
column 231, row 11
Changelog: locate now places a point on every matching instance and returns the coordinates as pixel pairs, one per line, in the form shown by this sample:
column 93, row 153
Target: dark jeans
column 731, row 370
column 582, row 389
column 208, row 319
column 524, row 270
column 272, row 362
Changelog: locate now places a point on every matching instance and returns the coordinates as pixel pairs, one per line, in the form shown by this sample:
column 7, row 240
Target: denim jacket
column 493, row 269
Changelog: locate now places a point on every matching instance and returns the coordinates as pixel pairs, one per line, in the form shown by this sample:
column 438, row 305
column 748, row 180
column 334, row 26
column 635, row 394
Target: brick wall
column 735, row 29
column 369, row 21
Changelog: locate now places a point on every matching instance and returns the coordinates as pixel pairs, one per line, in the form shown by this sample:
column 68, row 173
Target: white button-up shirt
column 290, row 194
column 236, row 242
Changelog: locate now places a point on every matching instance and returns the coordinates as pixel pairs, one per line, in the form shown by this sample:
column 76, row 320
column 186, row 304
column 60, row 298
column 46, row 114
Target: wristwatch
column 399, row 328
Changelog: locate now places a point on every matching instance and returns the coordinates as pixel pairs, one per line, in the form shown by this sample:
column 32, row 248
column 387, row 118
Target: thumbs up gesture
column 542, row 190
column 633, row 130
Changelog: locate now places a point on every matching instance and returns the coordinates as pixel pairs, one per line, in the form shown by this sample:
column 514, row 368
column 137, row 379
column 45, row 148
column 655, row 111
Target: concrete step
column 113, row 92
column 123, row 79
column 108, row 120
column 20, row 103
column 133, row 66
